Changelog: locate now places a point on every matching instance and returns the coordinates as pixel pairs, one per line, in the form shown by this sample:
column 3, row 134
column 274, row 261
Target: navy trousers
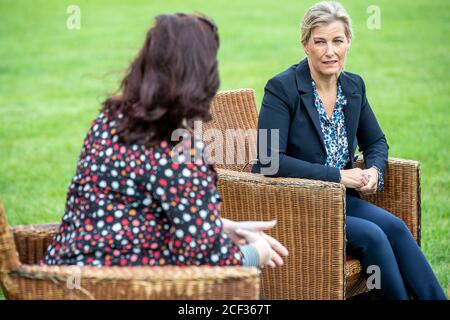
column 378, row 238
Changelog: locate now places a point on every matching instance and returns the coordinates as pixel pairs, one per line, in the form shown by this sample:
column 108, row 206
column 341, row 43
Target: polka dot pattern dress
column 131, row 205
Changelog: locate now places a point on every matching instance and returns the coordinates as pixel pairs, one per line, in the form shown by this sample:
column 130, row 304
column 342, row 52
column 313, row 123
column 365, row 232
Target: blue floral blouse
column 335, row 133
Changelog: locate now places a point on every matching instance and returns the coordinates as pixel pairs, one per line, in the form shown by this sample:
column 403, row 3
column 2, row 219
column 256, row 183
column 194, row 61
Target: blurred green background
column 52, row 81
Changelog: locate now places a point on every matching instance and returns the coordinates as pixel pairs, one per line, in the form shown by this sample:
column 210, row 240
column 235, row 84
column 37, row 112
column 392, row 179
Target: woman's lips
column 330, row 62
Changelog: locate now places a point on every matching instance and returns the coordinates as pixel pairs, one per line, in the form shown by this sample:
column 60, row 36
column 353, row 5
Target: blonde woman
column 322, row 114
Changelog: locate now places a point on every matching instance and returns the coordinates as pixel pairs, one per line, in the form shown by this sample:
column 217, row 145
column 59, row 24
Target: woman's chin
column 329, row 71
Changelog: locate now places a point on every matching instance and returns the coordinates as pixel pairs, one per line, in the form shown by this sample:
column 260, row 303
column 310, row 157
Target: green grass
column 52, row 81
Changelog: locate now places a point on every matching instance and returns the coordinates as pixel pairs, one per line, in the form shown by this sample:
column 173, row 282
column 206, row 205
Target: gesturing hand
column 230, row 228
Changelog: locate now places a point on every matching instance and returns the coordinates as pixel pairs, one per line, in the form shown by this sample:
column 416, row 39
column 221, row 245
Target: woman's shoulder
column 353, row 78
column 283, row 85
column 176, row 150
column 285, row 76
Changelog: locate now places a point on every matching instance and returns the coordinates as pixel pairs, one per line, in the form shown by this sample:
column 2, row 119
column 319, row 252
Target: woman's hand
column 372, row 186
column 355, row 178
column 257, row 241
column 257, row 227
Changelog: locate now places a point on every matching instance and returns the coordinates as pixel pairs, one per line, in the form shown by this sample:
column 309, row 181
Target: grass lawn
column 52, row 81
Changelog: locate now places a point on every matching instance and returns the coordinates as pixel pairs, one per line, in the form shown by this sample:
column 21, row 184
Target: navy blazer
column 288, row 105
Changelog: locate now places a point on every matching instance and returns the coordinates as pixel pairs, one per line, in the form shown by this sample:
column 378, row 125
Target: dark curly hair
column 171, row 82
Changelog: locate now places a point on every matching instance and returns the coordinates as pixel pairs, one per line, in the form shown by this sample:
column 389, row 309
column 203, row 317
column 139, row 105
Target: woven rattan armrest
column 310, row 217
column 401, row 192
column 32, row 241
column 168, row 282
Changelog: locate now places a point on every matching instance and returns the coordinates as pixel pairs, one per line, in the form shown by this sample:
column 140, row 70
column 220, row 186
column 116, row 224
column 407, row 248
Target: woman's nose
column 329, row 53
column 329, row 50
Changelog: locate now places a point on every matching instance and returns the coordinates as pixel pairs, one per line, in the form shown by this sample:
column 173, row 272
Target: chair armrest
column 32, row 241
column 311, row 224
column 401, row 192
column 161, row 283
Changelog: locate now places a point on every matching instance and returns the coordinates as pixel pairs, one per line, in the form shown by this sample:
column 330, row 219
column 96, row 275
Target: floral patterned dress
column 132, row 205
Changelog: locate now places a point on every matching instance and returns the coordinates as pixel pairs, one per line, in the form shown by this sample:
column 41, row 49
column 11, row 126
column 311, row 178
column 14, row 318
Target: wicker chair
column 21, row 278
column 310, row 214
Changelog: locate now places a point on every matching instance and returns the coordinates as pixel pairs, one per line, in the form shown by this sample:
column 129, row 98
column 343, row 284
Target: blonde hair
column 323, row 13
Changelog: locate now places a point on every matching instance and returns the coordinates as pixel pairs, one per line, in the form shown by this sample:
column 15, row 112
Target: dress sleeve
column 187, row 192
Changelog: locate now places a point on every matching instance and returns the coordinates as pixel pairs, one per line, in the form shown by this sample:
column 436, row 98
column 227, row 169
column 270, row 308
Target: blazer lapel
column 308, row 102
column 352, row 110
column 304, row 85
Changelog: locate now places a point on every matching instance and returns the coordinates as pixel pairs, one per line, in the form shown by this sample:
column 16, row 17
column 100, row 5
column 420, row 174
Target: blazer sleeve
column 371, row 140
column 275, row 114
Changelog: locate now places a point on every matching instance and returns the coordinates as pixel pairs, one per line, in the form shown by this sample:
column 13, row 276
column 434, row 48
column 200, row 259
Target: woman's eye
column 338, row 41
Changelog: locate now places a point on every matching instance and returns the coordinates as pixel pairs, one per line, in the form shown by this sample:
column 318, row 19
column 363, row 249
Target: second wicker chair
column 310, row 214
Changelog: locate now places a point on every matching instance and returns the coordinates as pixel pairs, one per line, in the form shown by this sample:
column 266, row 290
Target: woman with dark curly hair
column 130, row 202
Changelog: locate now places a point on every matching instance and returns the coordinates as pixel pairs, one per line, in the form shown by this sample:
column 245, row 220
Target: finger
column 368, row 186
column 277, row 259
column 257, row 226
column 276, row 245
column 233, row 236
column 271, row 264
column 358, row 183
column 363, row 189
column 369, row 189
column 248, row 235
column 367, row 180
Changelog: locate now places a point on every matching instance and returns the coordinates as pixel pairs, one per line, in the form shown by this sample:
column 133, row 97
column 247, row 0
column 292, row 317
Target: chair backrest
column 231, row 136
column 9, row 258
